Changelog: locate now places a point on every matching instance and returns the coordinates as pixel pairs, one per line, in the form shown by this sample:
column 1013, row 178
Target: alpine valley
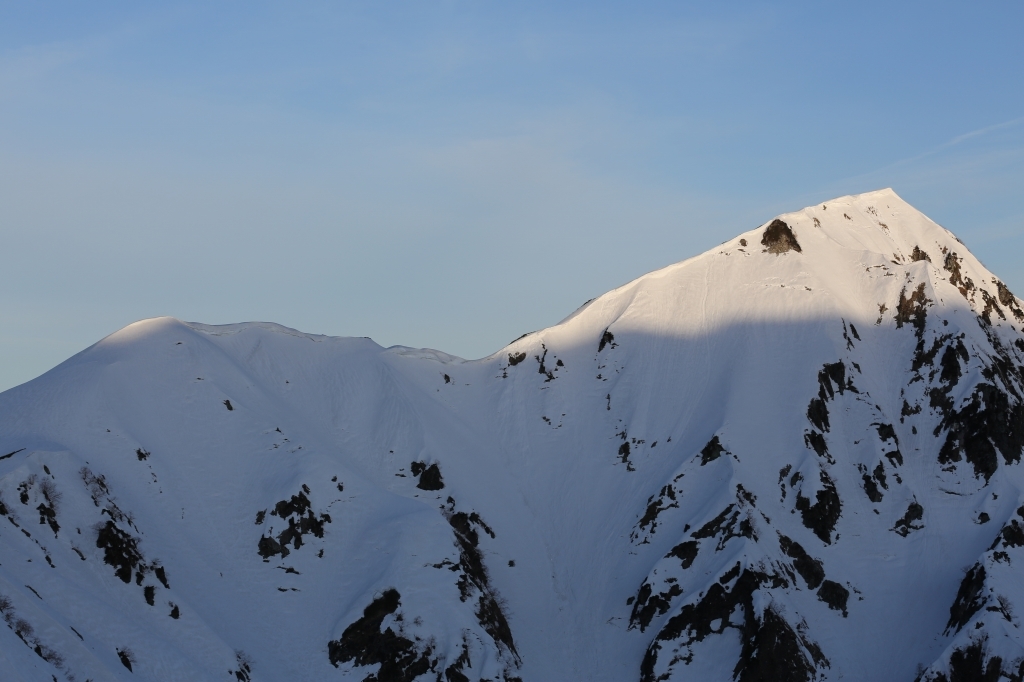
column 795, row 457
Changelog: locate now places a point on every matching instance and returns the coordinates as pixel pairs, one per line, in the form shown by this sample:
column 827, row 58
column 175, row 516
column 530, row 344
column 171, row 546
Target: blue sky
column 455, row 174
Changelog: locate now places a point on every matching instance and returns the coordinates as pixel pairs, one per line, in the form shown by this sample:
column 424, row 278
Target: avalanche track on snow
column 794, row 457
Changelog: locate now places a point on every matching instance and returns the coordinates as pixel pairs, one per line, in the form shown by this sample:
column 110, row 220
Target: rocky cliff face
column 794, row 457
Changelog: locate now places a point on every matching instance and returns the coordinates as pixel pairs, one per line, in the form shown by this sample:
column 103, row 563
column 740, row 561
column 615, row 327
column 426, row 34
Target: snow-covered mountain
column 794, row 457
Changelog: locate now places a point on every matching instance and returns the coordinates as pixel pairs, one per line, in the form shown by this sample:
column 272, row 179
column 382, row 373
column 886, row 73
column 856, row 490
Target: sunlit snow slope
column 794, row 457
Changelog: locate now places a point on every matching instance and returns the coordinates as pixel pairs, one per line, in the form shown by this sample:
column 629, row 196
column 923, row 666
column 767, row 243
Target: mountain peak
column 773, row 460
column 854, row 257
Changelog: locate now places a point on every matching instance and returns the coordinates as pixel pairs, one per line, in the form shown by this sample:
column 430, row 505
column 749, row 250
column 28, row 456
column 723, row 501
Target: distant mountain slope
column 794, row 457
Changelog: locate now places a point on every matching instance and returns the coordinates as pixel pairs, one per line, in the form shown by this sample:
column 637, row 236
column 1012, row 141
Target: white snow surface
column 586, row 448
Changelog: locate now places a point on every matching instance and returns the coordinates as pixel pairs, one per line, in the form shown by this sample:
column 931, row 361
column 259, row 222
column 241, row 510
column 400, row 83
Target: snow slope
column 794, row 457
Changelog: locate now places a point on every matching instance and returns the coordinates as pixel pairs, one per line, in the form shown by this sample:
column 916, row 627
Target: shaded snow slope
column 794, row 457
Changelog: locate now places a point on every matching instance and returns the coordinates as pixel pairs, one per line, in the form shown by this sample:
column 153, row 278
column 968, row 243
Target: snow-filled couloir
column 794, row 457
